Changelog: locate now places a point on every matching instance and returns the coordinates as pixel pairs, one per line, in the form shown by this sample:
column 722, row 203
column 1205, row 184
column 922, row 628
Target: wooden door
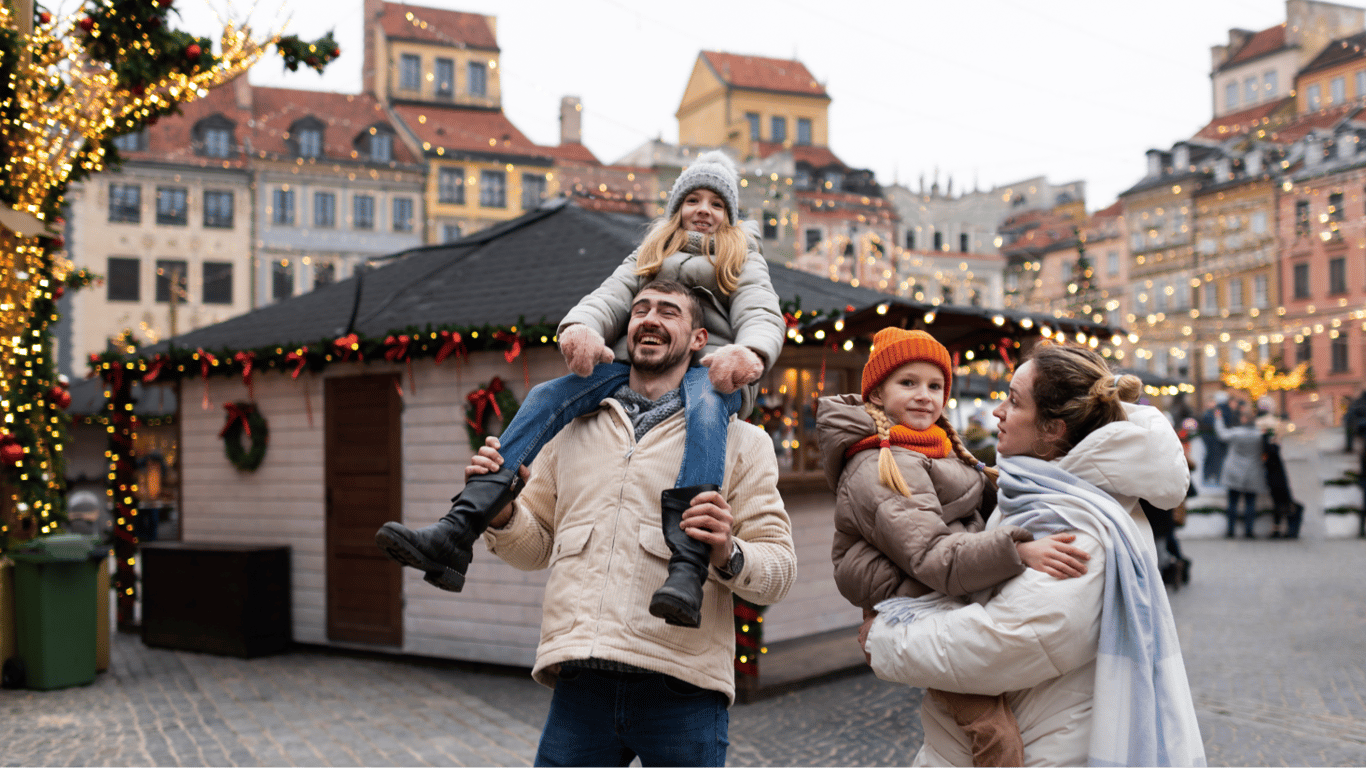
column 364, row 464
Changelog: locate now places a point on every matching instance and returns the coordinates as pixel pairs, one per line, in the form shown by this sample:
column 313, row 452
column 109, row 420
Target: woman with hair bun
column 1091, row 665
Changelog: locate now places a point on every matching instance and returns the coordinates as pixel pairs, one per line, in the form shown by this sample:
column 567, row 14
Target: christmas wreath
column 244, row 421
column 495, row 399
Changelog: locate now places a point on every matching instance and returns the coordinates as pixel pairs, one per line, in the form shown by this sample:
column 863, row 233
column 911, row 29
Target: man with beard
column 627, row 683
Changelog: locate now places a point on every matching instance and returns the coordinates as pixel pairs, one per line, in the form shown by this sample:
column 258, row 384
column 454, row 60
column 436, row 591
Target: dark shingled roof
column 534, row 268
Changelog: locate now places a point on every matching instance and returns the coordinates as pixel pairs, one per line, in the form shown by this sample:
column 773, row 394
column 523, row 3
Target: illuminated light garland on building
column 1257, row 380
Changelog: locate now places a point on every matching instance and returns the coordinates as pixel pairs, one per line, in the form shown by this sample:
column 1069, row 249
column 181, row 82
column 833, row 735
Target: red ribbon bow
column 299, row 356
column 397, row 349
column 482, row 399
column 237, row 412
column 1002, row 346
column 246, row 359
column 158, row 363
column 514, row 340
column 453, row 344
column 790, row 319
column 348, row 345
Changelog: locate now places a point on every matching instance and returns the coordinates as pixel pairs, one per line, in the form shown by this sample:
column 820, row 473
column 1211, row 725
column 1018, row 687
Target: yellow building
column 1335, row 77
column 742, row 101
column 437, row 71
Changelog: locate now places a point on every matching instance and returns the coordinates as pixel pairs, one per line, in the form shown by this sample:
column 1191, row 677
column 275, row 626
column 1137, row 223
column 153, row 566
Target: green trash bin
column 55, row 609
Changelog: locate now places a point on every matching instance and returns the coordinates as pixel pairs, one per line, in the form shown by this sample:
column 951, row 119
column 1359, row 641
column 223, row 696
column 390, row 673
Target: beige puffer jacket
column 751, row 316
column 888, row 545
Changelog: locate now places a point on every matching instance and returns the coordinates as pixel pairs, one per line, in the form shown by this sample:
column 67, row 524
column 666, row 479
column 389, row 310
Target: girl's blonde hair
column 727, row 249
column 888, row 472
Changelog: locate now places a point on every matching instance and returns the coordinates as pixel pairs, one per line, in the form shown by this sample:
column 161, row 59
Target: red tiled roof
column 467, row 130
column 344, row 115
column 169, row 140
column 1114, row 209
column 1303, row 124
column 573, row 152
column 782, row 75
column 434, row 25
column 816, row 157
column 1262, row 43
column 1337, row 52
column 1244, row 121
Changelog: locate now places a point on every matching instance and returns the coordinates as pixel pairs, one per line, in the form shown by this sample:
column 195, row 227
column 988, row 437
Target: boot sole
column 674, row 611
column 401, row 551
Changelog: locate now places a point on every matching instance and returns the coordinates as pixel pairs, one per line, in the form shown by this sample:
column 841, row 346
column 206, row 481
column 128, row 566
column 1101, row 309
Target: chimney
column 241, row 90
column 370, row 12
column 571, row 120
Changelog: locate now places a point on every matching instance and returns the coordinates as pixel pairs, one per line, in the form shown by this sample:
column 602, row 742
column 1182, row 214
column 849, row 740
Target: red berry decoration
column 11, row 453
column 192, row 53
column 59, row 291
column 336, row 52
column 58, row 242
column 59, row 397
column 86, row 23
column 44, row 17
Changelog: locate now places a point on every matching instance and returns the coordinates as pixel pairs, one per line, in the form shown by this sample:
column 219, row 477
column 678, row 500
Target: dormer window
column 212, row 137
column 306, row 137
column 477, row 74
column 376, row 144
column 131, row 142
column 445, row 77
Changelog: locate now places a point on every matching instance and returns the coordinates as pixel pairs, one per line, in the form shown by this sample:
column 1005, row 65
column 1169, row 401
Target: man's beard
column 658, row 365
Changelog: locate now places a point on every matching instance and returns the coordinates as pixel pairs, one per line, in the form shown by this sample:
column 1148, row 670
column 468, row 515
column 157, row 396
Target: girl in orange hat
column 911, row 504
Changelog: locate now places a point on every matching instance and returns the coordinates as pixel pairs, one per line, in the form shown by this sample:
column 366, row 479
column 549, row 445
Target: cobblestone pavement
column 1274, row 635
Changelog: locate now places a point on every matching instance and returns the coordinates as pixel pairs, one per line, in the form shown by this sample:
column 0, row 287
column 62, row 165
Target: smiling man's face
column 660, row 333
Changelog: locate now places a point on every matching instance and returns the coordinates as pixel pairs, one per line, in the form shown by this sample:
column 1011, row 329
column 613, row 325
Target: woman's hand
column 1054, row 555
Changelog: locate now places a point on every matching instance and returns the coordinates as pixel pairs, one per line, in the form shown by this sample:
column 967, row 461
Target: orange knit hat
column 894, row 347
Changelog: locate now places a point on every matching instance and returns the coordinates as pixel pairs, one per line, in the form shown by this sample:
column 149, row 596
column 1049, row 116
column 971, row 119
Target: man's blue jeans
column 609, row 718
column 550, row 406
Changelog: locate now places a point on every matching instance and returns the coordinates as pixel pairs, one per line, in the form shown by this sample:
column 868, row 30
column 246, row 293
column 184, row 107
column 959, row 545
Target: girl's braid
column 887, row 470
column 962, row 452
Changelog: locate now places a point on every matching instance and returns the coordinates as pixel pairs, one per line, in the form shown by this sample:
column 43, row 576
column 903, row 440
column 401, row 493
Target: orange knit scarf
column 933, row 442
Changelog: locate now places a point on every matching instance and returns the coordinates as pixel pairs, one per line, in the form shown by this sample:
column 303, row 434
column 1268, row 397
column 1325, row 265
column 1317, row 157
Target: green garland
column 234, row 430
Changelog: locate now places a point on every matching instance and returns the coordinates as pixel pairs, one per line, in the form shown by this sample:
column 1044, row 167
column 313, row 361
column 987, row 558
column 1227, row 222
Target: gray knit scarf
column 646, row 413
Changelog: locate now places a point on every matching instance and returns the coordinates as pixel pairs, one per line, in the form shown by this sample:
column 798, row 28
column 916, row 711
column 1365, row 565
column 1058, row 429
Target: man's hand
column 1054, row 555
column 487, row 460
column 709, row 520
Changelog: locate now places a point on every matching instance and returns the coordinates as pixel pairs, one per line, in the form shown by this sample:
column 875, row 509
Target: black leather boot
column 443, row 550
column 679, row 601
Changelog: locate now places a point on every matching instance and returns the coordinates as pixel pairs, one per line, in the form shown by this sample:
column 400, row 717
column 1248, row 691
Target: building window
column 813, row 239
column 946, row 293
column 137, row 141
column 324, row 209
column 1112, row 263
column 1259, row 223
column 218, row 209
column 804, row 131
column 450, row 233
column 218, row 142
column 790, row 413
column 910, row 239
column 410, row 72
column 169, row 272
column 123, row 280
column 834, row 180
column 310, row 142
column 450, row 185
column 217, row 282
column 1337, row 346
column 1235, row 294
column 1261, row 298
column 938, row 240
column 753, row 119
column 533, row 190
column 363, row 212
column 1301, row 218
column 770, row 225
column 281, row 279
column 1337, row 276
column 1269, row 83
column 1336, row 212
column 172, row 207
column 1211, row 299
column 962, row 242
column 324, row 273
column 477, row 74
column 403, row 214
column 801, row 178
column 1250, row 90
column 282, row 206
column 1231, row 95
column 1211, row 367
column 381, row 146
column 125, row 202
column 445, row 77
column 493, row 189
column 1301, row 281
column 777, row 129
column 1304, row 350
column 1314, row 94
column 1337, row 88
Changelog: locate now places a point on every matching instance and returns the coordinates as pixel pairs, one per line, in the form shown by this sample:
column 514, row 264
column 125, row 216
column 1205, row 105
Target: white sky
column 986, row 91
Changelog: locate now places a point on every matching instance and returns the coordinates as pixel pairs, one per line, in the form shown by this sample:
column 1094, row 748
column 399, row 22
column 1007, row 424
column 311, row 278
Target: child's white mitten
column 732, row 367
column 583, row 348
